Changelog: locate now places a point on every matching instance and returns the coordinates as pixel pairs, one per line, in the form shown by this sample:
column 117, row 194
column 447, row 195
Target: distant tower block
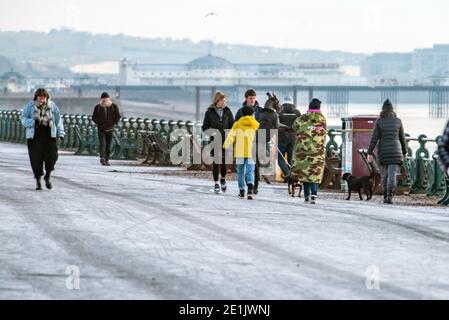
column 391, row 94
column 438, row 103
column 337, row 103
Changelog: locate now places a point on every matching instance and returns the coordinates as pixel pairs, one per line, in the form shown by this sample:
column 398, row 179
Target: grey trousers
column 388, row 174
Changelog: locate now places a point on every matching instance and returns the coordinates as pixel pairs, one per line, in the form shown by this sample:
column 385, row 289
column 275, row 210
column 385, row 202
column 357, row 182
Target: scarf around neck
column 43, row 114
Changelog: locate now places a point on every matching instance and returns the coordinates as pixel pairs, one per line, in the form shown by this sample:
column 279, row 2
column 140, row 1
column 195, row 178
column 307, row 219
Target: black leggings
column 42, row 152
column 218, row 169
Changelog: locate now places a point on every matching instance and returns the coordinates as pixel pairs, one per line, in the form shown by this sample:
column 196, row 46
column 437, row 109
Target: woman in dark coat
column 220, row 118
column 389, row 132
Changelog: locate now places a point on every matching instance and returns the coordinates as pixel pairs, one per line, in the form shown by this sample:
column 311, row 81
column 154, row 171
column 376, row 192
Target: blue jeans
column 310, row 187
column 245, row 169
column 286, row 148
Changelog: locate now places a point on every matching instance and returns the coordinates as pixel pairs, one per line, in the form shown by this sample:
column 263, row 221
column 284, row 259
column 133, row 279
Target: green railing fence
column 424, row 174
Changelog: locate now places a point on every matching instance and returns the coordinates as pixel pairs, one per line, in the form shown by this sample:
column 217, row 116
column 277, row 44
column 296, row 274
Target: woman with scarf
column 44, row 126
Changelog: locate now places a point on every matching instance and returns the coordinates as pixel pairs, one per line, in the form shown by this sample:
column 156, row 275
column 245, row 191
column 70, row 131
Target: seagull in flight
column 210, row 14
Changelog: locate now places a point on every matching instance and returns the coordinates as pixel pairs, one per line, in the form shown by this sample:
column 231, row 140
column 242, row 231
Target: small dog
column 293, row 183
column 358, row 184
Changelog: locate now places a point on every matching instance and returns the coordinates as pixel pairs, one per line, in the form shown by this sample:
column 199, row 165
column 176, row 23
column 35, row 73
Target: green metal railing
column 424, row 174
column 128, row 131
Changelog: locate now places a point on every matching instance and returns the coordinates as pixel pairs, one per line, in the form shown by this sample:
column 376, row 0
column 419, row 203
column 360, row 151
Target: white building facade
column 215, row 71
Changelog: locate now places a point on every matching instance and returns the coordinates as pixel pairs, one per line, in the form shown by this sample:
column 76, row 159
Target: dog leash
column 283, row 157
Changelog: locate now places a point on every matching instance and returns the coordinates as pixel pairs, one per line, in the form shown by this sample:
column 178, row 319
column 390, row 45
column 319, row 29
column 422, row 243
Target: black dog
column 293, row 183
column 358, row 184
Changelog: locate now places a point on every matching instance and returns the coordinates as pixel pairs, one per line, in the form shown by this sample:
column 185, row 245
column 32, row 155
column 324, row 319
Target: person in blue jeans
column 242, row 137
column 310, row 189
column 310, row 150
column 245, row 174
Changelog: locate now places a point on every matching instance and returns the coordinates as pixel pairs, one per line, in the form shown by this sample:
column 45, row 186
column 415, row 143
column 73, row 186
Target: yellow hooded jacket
column 242, row 133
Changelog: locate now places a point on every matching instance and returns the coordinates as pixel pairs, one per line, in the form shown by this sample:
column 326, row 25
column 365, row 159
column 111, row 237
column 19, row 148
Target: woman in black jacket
column 389, row 132
column 443, row 150
column 219, row 117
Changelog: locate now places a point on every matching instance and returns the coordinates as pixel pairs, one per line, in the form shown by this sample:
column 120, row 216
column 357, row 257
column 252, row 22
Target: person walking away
column 219, row 117
column 287, row 136
column 242, row 136
column 44, row 126
column 389, row 134
column 269, row 120
column 106, row 115
column 310, row 150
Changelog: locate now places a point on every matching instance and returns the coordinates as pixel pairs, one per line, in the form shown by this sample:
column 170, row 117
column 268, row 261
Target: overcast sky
column 350, row 25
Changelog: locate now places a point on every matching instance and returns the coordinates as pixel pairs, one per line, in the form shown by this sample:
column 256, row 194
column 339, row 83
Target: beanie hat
column 388, row 106
column 247, row 111
column 315, row 104
column 288, row 100
column 105, row 95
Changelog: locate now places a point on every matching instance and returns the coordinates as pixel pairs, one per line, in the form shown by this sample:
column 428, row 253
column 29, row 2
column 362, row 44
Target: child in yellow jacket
column 243, row 134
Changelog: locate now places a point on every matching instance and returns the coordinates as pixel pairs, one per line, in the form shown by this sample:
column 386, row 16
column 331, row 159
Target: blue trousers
column 245, row 170
column 310, row 187
column 285, row 148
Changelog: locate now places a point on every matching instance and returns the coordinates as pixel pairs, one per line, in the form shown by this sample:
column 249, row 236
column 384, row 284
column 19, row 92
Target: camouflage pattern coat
column 310, row 147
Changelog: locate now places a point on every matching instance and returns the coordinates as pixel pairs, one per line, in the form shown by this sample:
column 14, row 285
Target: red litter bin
column 356, row 134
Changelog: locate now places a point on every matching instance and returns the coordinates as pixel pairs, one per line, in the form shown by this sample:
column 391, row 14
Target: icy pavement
column 136, row 234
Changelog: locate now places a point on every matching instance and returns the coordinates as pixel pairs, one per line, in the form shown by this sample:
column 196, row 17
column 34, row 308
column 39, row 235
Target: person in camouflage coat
column 310, row 150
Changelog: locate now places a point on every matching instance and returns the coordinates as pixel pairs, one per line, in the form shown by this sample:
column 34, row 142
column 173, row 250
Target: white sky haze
column 350, row 25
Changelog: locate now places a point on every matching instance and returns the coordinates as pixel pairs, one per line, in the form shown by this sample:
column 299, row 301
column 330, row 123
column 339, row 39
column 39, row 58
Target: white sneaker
column 307, row 200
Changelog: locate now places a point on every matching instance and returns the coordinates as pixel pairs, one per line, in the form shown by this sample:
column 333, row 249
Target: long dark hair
column 41, row 92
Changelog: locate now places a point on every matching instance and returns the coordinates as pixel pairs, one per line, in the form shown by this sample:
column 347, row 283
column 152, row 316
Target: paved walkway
column 136, row 234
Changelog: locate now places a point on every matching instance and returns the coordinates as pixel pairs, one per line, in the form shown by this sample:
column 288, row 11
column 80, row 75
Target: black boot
column 48, row 182
column 389, row 199
column 251, row 194
column 385, row 196
column 38, row 184
column 223, row 185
